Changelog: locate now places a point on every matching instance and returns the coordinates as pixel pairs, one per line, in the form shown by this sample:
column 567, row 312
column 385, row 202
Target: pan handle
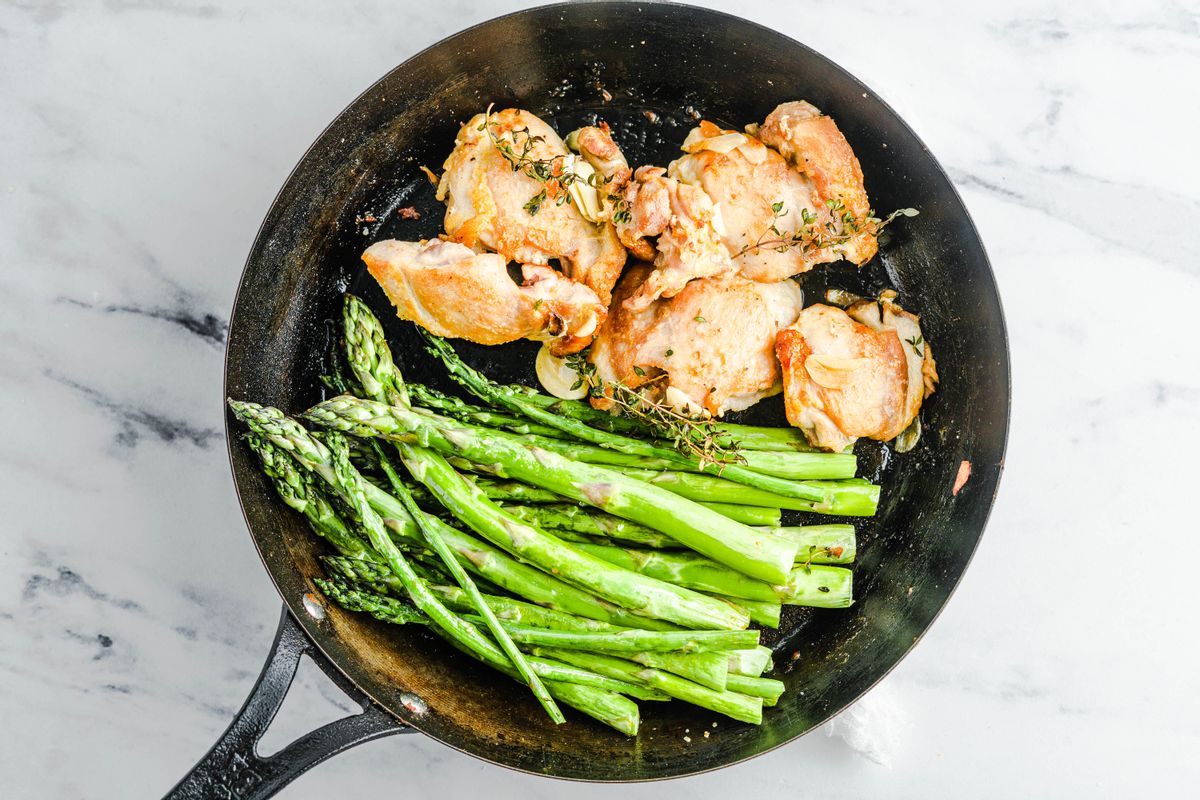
column 232, row 768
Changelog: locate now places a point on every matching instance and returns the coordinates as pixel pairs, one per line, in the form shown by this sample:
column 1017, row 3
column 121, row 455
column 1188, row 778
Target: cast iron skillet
column 572, row 64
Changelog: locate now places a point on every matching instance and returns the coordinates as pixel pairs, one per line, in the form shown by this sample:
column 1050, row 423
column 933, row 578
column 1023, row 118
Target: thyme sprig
column 812, row 235
column 691, row 436
column 553, row 173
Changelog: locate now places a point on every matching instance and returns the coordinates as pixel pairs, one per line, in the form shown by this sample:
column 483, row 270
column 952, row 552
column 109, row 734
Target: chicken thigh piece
column 492, row 203
column 709, row 349
column 598, row 148
column 450, row 290
column 815, row 147
column 862, row 372
column 804, row 190
column 688, row 227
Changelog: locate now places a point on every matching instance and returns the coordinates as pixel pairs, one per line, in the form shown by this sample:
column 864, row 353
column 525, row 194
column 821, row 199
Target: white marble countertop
column 141, row 142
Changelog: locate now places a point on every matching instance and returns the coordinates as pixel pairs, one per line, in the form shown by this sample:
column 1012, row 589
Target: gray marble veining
column 141, row 141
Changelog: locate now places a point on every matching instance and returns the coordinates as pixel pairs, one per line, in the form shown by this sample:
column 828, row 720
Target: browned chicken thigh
column 862, row 372
column 793, row 176
column 488, row 202
column 450, row 290
column 687, row 227
column 709, row 349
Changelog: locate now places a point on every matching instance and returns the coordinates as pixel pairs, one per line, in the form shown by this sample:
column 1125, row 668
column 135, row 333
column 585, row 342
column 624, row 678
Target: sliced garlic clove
column 832, row 372
column 557, row 377
column 583, row 193
column 682, row 402
column 724, row 143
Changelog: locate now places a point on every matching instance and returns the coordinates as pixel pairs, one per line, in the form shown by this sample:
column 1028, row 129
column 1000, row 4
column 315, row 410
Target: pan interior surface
column 650, row 72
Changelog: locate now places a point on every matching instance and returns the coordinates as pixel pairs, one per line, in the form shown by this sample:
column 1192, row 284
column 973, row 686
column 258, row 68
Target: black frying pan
column 572, row 64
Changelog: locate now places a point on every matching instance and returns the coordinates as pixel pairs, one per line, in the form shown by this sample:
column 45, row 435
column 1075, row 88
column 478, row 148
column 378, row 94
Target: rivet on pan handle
column 232, row 768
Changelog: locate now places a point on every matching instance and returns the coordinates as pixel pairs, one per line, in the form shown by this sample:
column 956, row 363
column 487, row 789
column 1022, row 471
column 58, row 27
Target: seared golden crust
column 862, row 372
column 485, row 204
column 452, row 291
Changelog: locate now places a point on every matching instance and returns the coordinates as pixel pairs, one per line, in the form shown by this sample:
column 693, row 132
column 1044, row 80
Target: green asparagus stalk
column 478, row 556
column 371, row 362
column 630, row 640
column 809, row 585
column 564, row 516
column 821, row 544
column 614, row 710
column 851, row 497
column 750, row 662
column 387, row 609
column 450, row 561
column 696, row 527
column 754, row 473
column 298, row 492
column 738, row 706
column 462, row 411
column 523, row 613
column 706, row 669
column 567, row 561
column 768, row 689
column 761, row 613
column 517, row 492
column 747, row 515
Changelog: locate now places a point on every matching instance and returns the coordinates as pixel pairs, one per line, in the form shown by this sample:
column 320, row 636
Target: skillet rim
column 295, row 607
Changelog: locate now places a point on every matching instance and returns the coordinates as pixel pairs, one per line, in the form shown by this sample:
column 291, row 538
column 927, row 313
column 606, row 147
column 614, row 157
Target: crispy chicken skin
column 856, row 373
column 797, row 159
column 710, row 347
column 485, row 203
column 688, row 228
column 596, row 145
column 450, row 290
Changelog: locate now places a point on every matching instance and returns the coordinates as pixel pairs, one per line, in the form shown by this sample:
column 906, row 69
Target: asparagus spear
column 738, row 706
column 768, row 689
column 747, row 515
column 475, row 554
column 761, row 612
column 696, row 527
column 851, row 497
column 372, row 362
column 298, row 492
column 630, row 640
column 460, row 410
column 564, row 516
column 753, row 474
column 821, row 544
column 750, row 662
column 706, row 669
column 809, row 585
column 517, row 492
column 450, row 560
column 353, row 487
column 567, row 561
